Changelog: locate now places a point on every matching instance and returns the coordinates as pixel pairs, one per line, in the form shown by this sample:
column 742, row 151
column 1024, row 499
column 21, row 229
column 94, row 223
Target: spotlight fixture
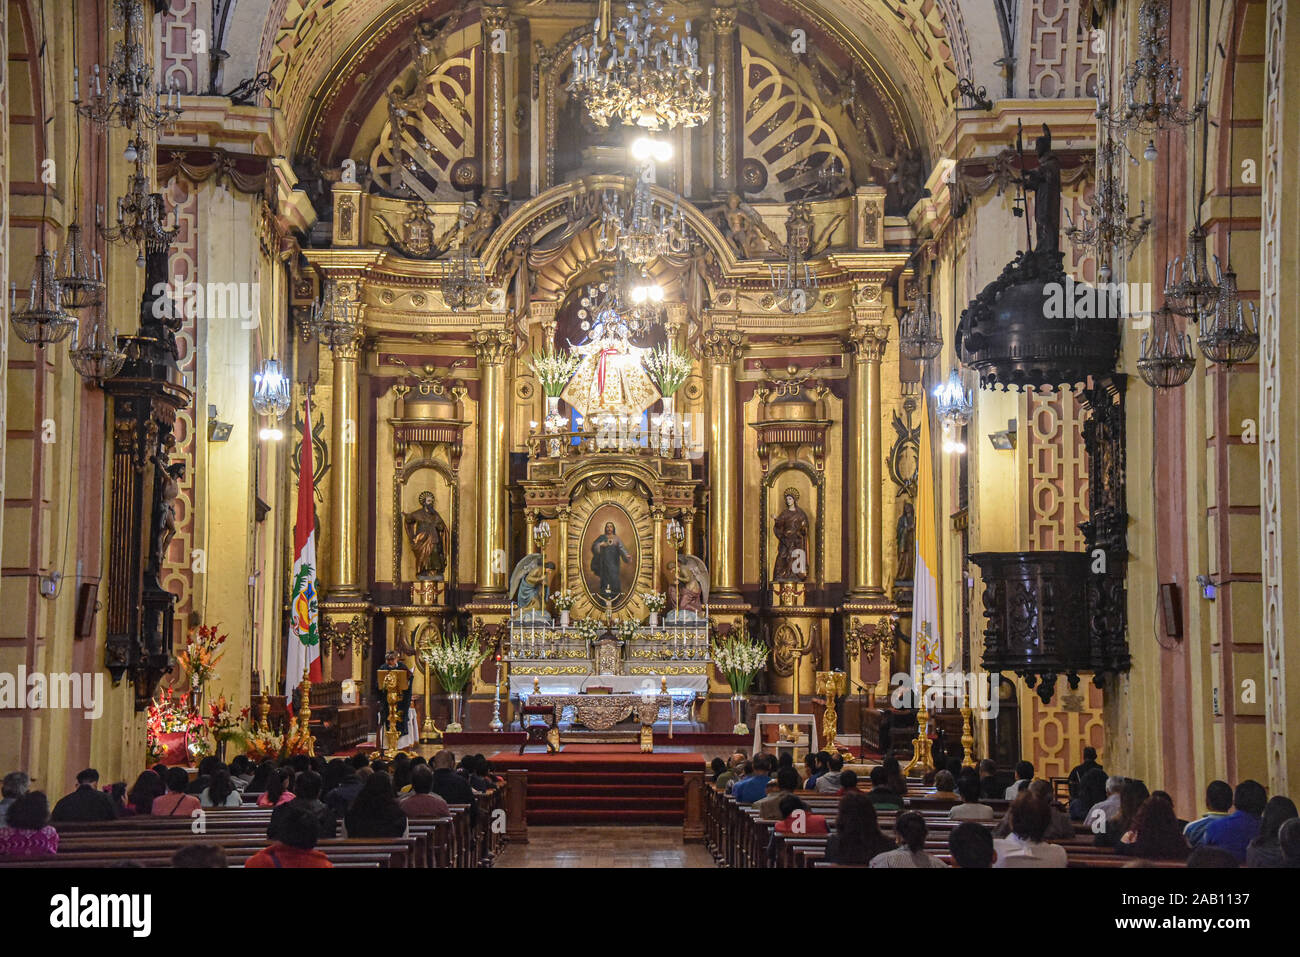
column 218, row 431
column 1004, row 441
column 645, row 149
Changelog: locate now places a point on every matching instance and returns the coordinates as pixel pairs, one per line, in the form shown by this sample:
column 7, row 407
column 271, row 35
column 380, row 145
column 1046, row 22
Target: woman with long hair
column 277, row 789
column 1155, row 834
column 375, row 811
column 857, row 838
column 147, row 787
column 1131, row 798
column 1266, row 850
column 261, row 777
column 220, row 791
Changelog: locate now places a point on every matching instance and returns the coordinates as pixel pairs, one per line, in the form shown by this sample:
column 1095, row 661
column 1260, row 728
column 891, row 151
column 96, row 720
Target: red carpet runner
column 598, row 786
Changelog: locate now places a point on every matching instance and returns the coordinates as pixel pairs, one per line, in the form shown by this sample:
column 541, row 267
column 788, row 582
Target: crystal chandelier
column 271, row 390
column 795, row 284
column 640, row 298
column 95, row 355
column 43, row 321
column 81, row 279
column 1225, row 337
column 1107, row 225
column 334, row 318
column 119, row 95
column 954, row 405
column 1165, row 360
column 141, row 216
column 465, row 286
column 1189, row 290
column 641, row 71
column 1152, row 83
column 918, row 333
column 644, row 229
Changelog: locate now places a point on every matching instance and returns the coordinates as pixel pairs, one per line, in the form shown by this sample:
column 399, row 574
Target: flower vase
column 738, row 712
column 654, row 619
column 564, row 618
column 667, row 426
column 221, row 750
column 454, row 724
column 554, row 422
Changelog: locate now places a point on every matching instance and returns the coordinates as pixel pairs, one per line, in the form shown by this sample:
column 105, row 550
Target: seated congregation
column 765, row 812
column 303, row 812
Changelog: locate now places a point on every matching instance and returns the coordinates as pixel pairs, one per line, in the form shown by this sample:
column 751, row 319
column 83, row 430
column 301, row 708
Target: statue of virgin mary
column 610, row 378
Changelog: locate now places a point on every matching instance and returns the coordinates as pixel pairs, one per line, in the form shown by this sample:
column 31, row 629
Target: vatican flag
column 304, row 619
column 925, row 578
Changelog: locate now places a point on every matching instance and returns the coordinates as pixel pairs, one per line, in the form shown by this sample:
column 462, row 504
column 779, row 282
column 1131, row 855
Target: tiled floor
column 605, row 847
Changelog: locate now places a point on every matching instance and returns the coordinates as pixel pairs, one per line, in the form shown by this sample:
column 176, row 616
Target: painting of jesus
column 611, row 553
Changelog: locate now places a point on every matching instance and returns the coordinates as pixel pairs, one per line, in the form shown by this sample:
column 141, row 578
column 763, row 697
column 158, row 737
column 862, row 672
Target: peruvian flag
column 304, row 623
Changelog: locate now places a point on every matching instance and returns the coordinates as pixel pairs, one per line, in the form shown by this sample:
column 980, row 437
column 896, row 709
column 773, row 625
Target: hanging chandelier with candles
column 642, row 229
column 335, row 317
column 94, row 354
column 794, row 285
column 1152, row 84
column 80, row 277
column 1165, row 359
column 1225, row 335
column 918, row 332
column 120, row 95
column 954, row 405
column 638, row 70
column 465, row 286
column 141, row 215
column 44, row 320
column 1107, row 225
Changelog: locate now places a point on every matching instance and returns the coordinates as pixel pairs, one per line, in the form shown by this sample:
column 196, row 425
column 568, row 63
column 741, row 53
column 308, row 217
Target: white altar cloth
column 575, row 684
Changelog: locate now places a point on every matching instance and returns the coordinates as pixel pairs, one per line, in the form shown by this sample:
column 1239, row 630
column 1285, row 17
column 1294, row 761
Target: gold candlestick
column 967, row 739
column 304, row 716
column 921, row 744
column 264, row 710
column 831, row 684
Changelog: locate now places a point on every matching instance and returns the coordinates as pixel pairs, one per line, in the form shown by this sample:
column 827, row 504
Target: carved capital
column 724, row 20
column 723, row 345
column 348, row 344
column 868, row 342
column 495, row 18
column 492, row 346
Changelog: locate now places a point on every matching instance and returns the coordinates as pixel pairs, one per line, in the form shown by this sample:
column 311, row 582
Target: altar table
column 600, row 712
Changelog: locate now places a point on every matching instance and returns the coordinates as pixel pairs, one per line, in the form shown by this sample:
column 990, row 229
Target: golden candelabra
column 831, row 684
column 429, row 732
column 921, row 758
column 264, row 712
column 394, row 693
column 304, row 716
column 967, row 739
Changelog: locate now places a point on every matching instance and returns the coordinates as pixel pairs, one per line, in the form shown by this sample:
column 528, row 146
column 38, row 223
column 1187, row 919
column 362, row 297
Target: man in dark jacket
column 340, row 797
column 306, row 789
column 447, row 784
column 1076, row 775
column 86, row 803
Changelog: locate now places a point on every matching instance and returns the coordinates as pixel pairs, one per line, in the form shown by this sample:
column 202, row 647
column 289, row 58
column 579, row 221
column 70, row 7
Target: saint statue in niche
column 791, row 529
column 428, row 534
column 608, row 555
column 905, row 540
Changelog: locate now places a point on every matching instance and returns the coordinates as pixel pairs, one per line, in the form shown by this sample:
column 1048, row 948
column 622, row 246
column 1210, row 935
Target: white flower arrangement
column 454, row 661
column 740, row 660
column 655, row 601
column 589, row 629
column 628, row 628
column 564, row 600
column 554, row 370
column 667, row 368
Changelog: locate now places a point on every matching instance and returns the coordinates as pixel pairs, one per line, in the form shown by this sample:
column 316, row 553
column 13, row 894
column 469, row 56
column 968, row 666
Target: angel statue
column 528, row 587
column 688, row 589
column 744, row 227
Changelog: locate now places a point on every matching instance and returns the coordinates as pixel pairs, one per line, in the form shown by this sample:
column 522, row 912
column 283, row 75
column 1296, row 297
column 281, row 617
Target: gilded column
column 868, row 342
column 496, row 21
column 724, row 68
column 544, row 117
column 344, row 582
column 531, row 517
column 492, row 347
column 562, row 519
column 688, row 524
column 657, row 517
column 721, row 348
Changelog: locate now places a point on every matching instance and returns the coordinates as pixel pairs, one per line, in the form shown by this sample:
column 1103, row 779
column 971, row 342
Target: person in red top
column 27, row 831
column 175, row 803
column 795, row 818
column 296, row 847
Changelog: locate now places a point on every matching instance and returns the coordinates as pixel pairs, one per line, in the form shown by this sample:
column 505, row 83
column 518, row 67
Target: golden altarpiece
column 467, row 208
